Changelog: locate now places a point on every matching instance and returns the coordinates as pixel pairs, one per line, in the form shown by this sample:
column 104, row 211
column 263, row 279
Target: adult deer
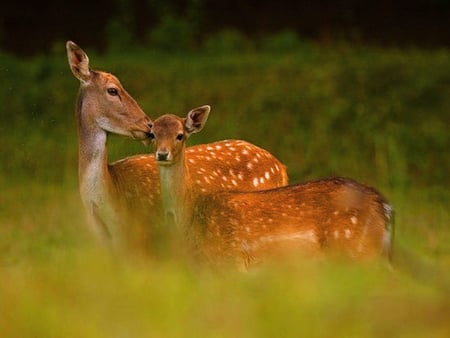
column 334, row 215
column 122, row 199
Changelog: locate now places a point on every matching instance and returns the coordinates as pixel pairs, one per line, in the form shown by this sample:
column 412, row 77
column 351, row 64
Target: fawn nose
column 162, row 155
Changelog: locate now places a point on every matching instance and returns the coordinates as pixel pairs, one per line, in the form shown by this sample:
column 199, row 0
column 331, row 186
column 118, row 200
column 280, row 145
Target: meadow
column 380, row 116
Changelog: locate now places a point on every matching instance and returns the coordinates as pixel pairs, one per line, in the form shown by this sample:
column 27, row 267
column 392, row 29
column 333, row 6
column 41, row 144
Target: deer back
column 335, row 216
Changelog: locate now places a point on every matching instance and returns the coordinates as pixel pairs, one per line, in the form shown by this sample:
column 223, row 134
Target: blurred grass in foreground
column 88, row 295
column 379, row 116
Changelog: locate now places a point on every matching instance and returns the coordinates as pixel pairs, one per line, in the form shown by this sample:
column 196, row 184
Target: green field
column 379, row 116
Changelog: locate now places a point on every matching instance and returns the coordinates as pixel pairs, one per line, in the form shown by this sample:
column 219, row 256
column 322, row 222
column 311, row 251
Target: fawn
column 334, row 215
column 122, row 199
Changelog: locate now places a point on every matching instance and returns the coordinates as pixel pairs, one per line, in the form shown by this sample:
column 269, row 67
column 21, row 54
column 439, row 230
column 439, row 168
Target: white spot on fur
column 308, row 236
column 347, row 233
column 255, row 182
column 354, row 220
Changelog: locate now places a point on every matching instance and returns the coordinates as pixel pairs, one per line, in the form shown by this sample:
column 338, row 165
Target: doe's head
column 104, row 101
column 170, row 132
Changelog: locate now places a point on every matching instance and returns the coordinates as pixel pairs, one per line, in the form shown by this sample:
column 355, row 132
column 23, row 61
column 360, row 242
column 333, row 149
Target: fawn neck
column 176, row 192
column 169, row 133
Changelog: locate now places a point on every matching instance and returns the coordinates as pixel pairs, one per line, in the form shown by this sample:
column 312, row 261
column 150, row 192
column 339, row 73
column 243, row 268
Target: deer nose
column 162, row 155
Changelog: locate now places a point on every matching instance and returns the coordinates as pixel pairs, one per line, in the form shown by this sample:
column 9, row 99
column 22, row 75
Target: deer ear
column 196, row 119
column 78, row 61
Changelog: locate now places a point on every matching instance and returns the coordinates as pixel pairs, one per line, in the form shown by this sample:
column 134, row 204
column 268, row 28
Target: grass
column 379, row 116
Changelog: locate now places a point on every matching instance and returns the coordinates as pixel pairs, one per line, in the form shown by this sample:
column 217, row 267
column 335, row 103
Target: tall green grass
column 379, row 116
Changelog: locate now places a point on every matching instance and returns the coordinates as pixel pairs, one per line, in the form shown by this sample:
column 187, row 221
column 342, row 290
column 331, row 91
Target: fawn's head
column 103, row 101
column 170, row 132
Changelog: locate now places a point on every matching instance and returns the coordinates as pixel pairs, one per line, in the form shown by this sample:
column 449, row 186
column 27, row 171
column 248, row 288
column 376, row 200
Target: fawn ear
column 196, row 119
column 78, row 61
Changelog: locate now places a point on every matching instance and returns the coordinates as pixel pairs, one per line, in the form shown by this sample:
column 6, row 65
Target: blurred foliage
column 172, row 35
column 378, row 115
column 89, row 295
column 118, row 36
column 228, row 41
column 283, row 41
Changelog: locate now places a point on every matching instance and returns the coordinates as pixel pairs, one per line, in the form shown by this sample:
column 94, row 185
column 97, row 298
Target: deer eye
column 112, row 91
column 180, row 137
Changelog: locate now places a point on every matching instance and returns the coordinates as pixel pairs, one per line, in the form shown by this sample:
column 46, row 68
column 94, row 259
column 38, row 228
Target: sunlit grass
column 55, row 282
column 87, row 293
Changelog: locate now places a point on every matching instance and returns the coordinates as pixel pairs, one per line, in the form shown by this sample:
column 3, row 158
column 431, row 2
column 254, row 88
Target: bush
column 228, row 41
column 284, row 41
column 173, row 34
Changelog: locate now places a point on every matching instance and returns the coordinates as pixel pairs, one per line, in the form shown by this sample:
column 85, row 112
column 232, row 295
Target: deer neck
column 95, row 180
column 176, row 193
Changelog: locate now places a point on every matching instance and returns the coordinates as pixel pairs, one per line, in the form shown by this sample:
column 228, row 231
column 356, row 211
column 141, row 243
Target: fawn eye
column 180, row 137
column 112, row 91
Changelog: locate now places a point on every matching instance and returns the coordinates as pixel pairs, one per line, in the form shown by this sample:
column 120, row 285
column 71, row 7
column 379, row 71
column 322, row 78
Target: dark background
column 31, row 27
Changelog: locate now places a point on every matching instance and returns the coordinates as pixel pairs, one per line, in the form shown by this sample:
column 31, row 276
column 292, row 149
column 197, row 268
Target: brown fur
column 336, row 216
